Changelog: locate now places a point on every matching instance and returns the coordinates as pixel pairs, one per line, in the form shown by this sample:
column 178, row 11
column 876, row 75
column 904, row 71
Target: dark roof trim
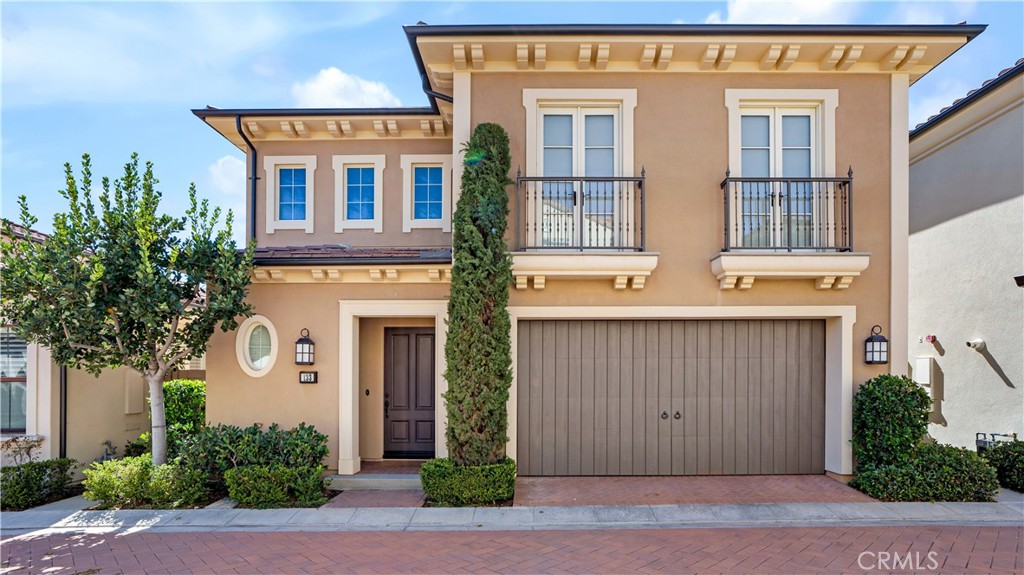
column 292, row 262
column 969, row 99
column 692, row 30
column 231, row 112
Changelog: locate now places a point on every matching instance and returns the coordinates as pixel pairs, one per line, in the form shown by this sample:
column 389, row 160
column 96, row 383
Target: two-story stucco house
column 696, row 266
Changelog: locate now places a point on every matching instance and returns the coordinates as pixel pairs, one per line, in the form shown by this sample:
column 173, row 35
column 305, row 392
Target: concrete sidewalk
column 516, row 518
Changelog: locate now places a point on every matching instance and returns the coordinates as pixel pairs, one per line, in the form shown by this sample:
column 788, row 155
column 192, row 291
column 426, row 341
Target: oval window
column 259, row 347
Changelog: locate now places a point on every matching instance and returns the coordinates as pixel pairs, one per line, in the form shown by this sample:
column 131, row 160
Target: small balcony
column 788, row 228
column 581, row 228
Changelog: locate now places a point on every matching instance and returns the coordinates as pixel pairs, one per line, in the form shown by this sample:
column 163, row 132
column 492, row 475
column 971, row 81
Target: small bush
column 268, row 486
column 890, row 417
column 34, row 483
column 447, row 484
column 308, row 486
column 185, row 404
column 219, row 448
column 138, row 446
column 1008, row 459
column 119, row 482
column 174, row 486
column 932, row 473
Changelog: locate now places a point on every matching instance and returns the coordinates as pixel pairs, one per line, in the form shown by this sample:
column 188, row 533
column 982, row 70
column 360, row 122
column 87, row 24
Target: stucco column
column 899, row 299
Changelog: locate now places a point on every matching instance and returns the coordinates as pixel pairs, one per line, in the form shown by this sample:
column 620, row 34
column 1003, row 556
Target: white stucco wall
column 966, row 246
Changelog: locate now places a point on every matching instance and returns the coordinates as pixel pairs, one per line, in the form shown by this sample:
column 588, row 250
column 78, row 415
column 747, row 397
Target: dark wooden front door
column 409, row 392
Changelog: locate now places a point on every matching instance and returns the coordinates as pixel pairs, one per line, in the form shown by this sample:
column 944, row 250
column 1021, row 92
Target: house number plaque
column 307, row 377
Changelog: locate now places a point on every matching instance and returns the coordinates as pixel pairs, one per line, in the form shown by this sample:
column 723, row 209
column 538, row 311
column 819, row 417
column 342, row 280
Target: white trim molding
column 348, row 369
column 828, row 270
column 409, row 164
column 242, row 344
column 622, row 98
column 839, row 355
column 355, row 274
column 340, row 163
column 899, row 235
column 625, row 269
column 825, row 101
column 270, row 166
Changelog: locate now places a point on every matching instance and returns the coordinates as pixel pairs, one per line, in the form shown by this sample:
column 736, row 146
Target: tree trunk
column 158, row 432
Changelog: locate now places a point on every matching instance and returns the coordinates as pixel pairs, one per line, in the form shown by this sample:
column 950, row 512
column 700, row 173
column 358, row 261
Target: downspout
column 252, row 178
column 433, row 94
column 62, row 441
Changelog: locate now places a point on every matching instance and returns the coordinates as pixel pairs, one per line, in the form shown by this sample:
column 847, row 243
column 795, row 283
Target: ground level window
column 13, row 381
column 256, row 346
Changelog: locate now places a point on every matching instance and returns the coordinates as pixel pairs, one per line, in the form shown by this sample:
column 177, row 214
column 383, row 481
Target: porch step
column 374, row 481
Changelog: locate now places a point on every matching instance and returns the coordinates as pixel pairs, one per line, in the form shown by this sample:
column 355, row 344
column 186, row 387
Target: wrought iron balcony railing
column 580, row 213
column 791, row 214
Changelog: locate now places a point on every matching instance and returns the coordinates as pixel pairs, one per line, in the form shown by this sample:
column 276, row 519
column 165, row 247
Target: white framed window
column 358, row 192
column 580, row 133
column 783, row 137
column 256, row 346
column 289, row 192
column 13, row 382
column 426, row 191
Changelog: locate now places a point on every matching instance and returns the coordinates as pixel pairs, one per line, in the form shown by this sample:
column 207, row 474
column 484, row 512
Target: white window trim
column 340, row 163
column 824, row 101
column 536, row 98
column 242, row 345
column 270, row 167
column 409, row 163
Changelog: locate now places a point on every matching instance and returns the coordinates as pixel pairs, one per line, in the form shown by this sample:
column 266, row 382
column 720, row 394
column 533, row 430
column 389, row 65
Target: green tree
column 124, row 285
column 478, row 348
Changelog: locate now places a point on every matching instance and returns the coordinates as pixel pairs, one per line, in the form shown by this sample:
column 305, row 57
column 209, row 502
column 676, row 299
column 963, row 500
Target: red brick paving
column 378, row 498
column 546, row 491
column 957, row 549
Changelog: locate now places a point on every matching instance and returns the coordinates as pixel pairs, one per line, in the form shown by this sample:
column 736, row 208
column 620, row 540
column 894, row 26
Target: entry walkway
column 516, row 518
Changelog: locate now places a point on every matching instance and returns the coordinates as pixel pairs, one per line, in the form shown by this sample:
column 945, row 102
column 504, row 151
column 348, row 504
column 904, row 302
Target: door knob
column 387, row 404
column 664, row 415
column 677, row 415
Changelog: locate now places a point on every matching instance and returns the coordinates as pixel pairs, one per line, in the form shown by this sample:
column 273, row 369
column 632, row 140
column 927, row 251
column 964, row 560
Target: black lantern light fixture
column 876, row 347
column 304, row 349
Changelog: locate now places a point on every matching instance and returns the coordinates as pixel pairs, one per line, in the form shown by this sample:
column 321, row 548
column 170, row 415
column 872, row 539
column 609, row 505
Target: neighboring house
column 966, row 248
column 695, row 276
column 72, row 411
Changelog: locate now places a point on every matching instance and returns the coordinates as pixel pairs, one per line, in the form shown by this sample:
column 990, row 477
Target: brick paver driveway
column 931, row 549
column 536, row 491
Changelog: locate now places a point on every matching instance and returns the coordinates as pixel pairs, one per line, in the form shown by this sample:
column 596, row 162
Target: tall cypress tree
column 478, row 347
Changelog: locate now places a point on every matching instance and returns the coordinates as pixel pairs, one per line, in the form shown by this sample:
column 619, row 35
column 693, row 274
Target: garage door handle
column 677, row 415
column 664, row 415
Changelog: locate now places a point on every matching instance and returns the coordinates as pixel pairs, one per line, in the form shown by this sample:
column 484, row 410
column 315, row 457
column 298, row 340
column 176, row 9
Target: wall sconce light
column 876, row 347
column 304, row 349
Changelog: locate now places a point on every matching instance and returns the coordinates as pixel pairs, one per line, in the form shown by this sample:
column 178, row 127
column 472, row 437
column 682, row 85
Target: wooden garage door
column 671, row 397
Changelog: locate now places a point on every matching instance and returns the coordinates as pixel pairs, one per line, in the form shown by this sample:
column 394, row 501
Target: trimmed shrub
column 267, row 486
column 890, row 417
column 185, row 404
column 451, row 485
column 932, row 473
column 119, row 482
column 174, row 486
column 217, row 449
column 138, row 446
column 34, row 483
column 1008, row 459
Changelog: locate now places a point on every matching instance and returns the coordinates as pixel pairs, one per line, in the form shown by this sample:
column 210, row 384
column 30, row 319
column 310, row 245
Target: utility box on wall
column 924, row 375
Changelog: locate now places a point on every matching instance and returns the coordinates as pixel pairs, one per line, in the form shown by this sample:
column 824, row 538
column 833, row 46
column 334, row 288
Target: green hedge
column 34, row 483
column 134, row 482
column 890, row 417
column 218, row 448
column 450, row 485
column 932, row 473
column 1008, row 459
column 185, row 411
column 269, row 486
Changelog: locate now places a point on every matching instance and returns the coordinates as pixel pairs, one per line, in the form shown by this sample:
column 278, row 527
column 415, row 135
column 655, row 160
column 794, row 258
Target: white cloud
column 925, row 106
column 332, row 88
column 932, row 12
column 227, row 179
column 785, row 12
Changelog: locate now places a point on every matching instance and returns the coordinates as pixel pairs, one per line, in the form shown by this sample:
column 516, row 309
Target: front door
column 409, row 392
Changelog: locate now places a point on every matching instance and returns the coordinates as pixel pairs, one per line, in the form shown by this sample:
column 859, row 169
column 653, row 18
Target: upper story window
column 13, row 382
column 426, row 191
column 289, row 192
column 574, row 138
column 781, row 149
column 358, row 192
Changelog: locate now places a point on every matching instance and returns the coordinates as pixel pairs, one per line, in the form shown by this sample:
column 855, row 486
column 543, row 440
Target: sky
column 112, row 78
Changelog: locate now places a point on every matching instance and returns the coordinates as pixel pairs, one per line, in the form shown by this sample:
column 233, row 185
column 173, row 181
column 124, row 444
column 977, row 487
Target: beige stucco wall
column 371, row 377
column 235, row 398
column 324, row 208
column 681, row 138
column 98, row 411
column 966, row 246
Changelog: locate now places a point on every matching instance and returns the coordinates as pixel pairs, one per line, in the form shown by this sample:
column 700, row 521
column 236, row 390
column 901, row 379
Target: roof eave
column 978, row 94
